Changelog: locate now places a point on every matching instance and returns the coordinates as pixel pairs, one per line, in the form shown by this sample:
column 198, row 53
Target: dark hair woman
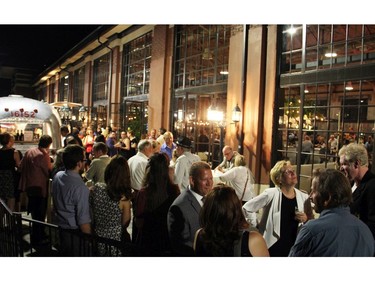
column 224, row 228
column 110, row 203
column 152, row 204
column 9, row 161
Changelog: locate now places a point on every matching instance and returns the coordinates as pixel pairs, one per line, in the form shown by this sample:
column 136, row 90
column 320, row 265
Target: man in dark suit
column 354, row 164
column 183, row 215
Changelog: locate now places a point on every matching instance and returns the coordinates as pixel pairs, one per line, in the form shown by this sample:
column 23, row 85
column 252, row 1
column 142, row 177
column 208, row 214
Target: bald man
column 228, row 161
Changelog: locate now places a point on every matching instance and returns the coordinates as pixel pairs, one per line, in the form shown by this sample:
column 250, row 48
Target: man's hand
column 219, row 168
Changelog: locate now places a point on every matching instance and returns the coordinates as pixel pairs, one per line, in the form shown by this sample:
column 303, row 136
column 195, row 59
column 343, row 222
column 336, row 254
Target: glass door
column 190, row 119
column 136, row 117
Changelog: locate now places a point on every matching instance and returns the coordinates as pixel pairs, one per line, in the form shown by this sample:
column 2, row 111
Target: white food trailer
column 28, row 119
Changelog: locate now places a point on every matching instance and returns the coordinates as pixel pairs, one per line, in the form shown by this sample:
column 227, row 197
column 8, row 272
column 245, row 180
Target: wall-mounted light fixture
column 236, row 114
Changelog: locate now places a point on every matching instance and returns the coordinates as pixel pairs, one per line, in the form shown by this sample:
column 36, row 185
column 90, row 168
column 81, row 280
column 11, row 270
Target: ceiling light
column 330, row 55
column 349, row 86
column 224, row 72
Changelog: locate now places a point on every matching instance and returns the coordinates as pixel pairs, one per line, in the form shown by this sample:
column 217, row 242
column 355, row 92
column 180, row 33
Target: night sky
column 38, row 46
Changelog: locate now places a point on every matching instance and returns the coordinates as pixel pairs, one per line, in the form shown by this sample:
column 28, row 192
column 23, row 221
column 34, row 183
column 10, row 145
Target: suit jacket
column 183, row 222
column 363, row 205
column 97, row 168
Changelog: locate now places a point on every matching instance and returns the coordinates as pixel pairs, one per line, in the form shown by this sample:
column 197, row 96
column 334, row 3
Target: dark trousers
column 73, row 243
column 37, row 207
column 134, row 226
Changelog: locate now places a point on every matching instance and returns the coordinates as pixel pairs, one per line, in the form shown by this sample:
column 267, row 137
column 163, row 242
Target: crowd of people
column 101, row 185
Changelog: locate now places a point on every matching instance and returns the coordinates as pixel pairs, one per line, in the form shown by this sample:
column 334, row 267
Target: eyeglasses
column 289, row 172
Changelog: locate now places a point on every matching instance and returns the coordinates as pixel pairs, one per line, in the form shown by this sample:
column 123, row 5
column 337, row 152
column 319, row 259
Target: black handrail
column 15, row 233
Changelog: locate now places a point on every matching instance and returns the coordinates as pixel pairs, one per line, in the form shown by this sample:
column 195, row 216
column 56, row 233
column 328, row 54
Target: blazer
column 363, row 205
column 270, row 201
column 183, row 222
column 97, row 168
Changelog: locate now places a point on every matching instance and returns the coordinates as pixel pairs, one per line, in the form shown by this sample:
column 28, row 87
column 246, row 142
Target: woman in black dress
column 9, row 160
column 152, row 205
column 133, row 143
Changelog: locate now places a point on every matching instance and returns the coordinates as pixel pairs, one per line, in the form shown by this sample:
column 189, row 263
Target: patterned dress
column 106, row 215
column 7, row 173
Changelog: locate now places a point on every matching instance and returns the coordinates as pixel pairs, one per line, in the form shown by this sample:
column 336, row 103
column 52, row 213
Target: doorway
column 190, row 120
column 136, row 117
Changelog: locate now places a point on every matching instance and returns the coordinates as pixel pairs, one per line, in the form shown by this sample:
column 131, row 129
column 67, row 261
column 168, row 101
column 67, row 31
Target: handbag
column 247, row 179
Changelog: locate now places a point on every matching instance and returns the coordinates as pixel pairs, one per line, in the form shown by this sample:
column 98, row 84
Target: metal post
column 221, row 138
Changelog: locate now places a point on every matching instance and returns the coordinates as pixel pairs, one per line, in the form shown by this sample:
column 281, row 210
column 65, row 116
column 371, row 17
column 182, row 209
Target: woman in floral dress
column 110, row 203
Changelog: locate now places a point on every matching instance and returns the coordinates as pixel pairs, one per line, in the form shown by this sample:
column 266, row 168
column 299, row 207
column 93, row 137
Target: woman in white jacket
column 285, row 208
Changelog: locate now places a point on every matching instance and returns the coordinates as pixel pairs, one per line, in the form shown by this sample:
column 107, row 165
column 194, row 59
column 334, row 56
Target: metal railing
column 10, row 232
column 16, row 240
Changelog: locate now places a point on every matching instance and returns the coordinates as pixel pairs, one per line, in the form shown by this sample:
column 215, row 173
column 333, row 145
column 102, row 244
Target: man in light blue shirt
column 336, row 233
column 71, row 196
column 168, row 146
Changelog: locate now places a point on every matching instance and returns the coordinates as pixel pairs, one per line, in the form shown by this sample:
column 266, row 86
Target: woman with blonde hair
column 224, row 231
column 285, row 209
column 88, row 143
column 156, row 146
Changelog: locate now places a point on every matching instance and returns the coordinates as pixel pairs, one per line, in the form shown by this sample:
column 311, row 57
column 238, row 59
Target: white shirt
column 182, row 169
column 354, row 187
column 197, row 196
column 237, row 177
column 137, row 167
